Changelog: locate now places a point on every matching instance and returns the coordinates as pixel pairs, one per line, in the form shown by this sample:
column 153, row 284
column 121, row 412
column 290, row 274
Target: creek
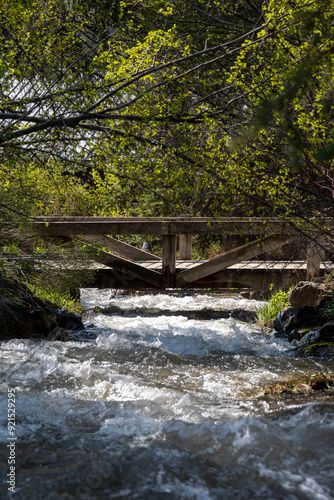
column 156, row 400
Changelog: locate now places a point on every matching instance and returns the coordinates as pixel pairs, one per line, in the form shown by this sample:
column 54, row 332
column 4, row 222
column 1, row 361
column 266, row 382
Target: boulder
column 284, row 318
column 294, row 318
column 306, row 293
column 19, row 320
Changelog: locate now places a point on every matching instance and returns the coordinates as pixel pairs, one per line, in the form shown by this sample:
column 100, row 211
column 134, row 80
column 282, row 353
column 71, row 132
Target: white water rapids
column 157, row 401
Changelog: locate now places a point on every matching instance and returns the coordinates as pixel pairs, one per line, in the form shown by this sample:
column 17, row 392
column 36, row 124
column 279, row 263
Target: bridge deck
column 249, row 264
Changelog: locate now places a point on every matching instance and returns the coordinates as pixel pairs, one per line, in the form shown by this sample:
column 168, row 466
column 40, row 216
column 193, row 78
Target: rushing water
column 155, row 400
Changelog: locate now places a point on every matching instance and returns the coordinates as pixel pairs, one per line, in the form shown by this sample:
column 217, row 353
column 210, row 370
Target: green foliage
column 328, row 308
column 51, row 271
column 57, row 297
column 147, row 108
column 268, row 311
column 293, row 76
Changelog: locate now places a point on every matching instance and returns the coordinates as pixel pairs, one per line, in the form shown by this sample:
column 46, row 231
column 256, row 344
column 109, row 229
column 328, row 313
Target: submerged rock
column 243, row 315
column 69, row 320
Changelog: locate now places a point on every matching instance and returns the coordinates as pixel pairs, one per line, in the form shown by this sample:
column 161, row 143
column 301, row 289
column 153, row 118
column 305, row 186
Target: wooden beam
column 126, row 266
column 227, row 259
column 168, row 261
column 121, row 248
column 185, row 246
column 163, row 226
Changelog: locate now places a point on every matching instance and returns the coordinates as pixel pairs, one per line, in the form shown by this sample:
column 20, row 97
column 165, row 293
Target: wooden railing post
column 168, row 260
column 185, row 246
column 315, row 254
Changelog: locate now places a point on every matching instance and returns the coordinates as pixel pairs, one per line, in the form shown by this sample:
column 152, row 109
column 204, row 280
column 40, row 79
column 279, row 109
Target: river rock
column 320, row 350
column 19, row 320
column 324, row 333
column 69, row 320
column 309, row 338
column 44, row 324
column 294, row 318
column 306, row 293
column 318, row 342
column 58, row 334
column 283, row 319
column 298, row 334
column 243, row 315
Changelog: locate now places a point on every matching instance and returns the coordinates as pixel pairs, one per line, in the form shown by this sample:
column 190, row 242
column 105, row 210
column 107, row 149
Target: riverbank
column 25, row 316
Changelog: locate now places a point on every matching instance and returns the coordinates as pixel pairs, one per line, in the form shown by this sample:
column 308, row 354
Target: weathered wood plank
column 227, row 259
column 121, row 248
column 162, row 226
column 185, row 246
column 168, row 261
column 127, row 266
column 125, row 219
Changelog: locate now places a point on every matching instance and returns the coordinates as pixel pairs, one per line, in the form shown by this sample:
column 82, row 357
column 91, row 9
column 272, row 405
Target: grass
column 59, row 298
column 266, row 314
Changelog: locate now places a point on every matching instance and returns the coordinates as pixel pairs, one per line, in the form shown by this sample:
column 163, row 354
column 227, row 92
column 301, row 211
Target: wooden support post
column 168, row 260
column 185, row 246
column 315, row 254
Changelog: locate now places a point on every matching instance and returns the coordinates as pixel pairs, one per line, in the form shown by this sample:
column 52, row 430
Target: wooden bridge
column 120, row 265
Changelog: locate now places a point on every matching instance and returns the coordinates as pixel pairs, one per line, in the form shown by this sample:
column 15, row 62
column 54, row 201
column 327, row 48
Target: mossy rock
column 320, row 349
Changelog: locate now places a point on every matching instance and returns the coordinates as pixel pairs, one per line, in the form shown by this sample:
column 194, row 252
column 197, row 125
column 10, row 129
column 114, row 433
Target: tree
column 121, row 80
column 190, row 107
column 290, row 113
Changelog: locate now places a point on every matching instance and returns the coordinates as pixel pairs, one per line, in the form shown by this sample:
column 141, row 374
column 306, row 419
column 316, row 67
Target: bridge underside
column 255, row 275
